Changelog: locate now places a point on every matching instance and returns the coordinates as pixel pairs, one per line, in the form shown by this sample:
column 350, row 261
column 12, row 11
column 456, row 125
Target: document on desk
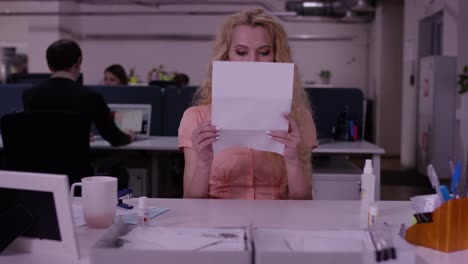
column 248, row 99
column 191, row 239
column 315, row 241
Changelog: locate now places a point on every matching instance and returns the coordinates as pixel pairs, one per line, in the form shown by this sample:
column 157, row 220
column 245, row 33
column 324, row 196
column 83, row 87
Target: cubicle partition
column 11, row 98
column 329, row 103
column 175, row 101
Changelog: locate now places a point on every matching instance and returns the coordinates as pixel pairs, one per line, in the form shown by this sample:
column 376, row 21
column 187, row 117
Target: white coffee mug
column 99, row 200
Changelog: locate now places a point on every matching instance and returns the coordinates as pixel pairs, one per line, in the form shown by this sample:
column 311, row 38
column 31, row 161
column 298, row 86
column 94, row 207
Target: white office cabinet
column 436, row 113
column 336, row 178
column 137, row 181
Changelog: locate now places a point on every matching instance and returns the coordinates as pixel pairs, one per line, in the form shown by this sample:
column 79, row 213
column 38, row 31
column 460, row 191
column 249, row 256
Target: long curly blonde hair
column 300, row 109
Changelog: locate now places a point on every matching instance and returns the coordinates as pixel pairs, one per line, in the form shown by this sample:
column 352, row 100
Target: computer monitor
column 135, row 117
column 36, row 214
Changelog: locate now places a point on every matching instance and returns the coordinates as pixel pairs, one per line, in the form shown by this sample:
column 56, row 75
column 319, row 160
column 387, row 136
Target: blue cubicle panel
column 11, row 98
column 137, row 95
column 175, row 101
column 329, row 103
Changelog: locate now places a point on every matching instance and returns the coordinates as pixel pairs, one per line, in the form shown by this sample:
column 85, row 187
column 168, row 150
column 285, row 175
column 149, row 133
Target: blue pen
column 455, row 179
column 445, row 193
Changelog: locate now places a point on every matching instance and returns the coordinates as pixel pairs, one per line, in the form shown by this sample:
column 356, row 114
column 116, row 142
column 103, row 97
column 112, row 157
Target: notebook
column 135, row 117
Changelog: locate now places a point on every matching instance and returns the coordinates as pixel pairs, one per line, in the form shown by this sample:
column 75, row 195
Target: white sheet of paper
column 249, row 98
column 185, row 239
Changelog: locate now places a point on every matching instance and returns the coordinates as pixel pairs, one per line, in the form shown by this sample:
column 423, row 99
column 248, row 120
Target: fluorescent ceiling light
column 312, row 4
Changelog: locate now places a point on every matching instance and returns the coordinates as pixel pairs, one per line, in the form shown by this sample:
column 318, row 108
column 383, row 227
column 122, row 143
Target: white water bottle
column 143, row 211
column 367, row 186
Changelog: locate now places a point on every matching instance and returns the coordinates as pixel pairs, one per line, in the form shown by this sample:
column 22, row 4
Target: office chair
column 47, row 142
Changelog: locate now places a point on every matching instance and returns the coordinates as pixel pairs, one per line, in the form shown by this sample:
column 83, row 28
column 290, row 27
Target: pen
column 451, row 166
column 445, row 193
column 455, row 179
column 431, row 173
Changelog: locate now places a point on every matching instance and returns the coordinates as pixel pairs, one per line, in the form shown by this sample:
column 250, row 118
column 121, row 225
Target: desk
column 155, row 145
column 356, row 148
column 307, row 215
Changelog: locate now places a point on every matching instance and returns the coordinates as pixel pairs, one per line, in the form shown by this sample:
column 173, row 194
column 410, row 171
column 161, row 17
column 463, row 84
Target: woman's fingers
column 207, row 142
column 283, row 135
column 292, row 124
column 206, row 135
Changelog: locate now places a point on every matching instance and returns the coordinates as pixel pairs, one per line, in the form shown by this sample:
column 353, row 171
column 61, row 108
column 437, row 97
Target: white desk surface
column 153, row 143
column 170, row 144
column 308, row 215
column 347, row 147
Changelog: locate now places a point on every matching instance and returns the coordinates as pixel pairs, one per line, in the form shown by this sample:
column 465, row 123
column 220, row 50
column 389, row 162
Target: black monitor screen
column 38, row 204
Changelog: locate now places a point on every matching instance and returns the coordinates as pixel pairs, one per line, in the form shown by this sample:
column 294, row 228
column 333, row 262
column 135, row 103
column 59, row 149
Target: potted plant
column 325, row 75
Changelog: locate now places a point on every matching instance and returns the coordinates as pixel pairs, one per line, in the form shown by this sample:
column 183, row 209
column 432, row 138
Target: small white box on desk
column 167, row 245
column 278, row 246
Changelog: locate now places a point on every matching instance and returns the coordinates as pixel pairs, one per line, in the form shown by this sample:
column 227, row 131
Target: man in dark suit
column 62, row 93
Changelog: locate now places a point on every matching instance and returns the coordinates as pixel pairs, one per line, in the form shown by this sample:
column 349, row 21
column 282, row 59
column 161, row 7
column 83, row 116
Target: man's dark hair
column 63, row 54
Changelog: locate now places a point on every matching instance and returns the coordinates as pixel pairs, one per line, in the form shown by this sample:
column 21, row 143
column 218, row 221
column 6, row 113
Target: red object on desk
column 355, row 134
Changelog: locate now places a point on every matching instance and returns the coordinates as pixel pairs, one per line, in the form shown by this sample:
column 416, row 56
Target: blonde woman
column 243, row 173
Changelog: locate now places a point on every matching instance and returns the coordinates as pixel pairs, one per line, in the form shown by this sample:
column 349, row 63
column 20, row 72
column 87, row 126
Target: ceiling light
column 362, row 6
column 312, row 4
column 350, row 17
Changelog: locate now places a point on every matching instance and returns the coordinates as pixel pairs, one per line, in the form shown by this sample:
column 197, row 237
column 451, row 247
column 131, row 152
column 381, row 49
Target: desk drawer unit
column 336, row 179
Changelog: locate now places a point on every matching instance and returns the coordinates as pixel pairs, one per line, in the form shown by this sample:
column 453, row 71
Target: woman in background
column 115, row 75
column 243, row 173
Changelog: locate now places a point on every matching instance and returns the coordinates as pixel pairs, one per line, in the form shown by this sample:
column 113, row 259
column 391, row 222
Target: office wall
column 415, row 10
column 385, row 80
column 347, row 59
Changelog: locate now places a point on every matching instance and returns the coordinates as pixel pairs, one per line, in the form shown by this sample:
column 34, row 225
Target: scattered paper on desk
column 346, row 241
column 78, row 216
column 132, row 218
column 128, row 216
column 319, row 241
column 185, row 239
column 249, row 98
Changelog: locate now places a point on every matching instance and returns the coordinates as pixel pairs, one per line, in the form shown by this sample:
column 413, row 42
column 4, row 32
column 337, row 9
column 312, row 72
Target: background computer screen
column 130, row 119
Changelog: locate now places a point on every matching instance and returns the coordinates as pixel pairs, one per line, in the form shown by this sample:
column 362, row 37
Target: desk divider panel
column 11, row 98
column 328, row 103
column 175, row 101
